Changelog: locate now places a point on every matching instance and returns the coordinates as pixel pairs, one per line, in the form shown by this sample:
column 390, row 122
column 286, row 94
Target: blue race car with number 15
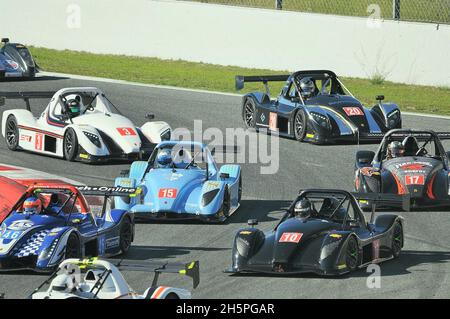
column 181, row 180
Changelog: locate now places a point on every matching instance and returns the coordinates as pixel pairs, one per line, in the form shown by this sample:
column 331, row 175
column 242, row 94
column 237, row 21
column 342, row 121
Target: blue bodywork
column 180, row 192
column 38, row 241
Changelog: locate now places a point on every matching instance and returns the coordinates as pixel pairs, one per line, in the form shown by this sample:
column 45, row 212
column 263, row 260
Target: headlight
column 47, row 252
column 321, row 119
column 95, row 139
column 393, row 118
column 209, row 196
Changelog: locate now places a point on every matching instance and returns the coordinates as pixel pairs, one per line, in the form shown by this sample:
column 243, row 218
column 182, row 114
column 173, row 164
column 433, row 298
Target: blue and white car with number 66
column 182, row 180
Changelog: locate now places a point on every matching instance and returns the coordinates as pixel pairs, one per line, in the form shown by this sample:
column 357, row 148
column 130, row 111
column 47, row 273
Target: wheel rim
column 69, row 143
column 352, row 255
column 397, row 240
column 249, row 114
column 126, row 236
column 11, row 133
column 298, row 124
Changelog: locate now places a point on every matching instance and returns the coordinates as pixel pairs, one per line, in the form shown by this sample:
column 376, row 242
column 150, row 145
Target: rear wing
column 26, row 96
column 240, row 79
column 191, row 269
column 403, row 201
column 106, row 190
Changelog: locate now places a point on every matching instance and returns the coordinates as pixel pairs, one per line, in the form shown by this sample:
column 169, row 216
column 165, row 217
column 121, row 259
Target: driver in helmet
column 307, row 88
column 74, row 105
column 395, row 149
column 303, row 208
column 32, row 205
column 164, row 158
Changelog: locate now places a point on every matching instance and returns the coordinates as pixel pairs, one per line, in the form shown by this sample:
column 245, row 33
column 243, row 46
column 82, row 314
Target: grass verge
column 422, row 99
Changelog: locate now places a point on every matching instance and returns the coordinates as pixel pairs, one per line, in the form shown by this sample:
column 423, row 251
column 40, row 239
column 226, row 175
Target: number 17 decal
column 414, row 180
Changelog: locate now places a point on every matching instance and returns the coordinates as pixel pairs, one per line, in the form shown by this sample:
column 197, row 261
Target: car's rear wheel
column 352, row 254
column 300, row 125
column 249, row 113
column 12, row 133
column 70, row 145
column 126, row 235
column 397, row 239
column 73, row 248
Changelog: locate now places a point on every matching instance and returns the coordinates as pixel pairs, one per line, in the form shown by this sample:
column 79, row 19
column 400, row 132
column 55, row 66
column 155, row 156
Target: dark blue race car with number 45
column 315, row 106
column 52, row 223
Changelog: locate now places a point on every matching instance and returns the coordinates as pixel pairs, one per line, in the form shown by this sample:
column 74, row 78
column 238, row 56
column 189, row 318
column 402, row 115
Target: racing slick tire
column 299, row 125
column 172, row 295
column 73, row 247
column 226, row 204
column 249, row 113
column 352, row 254
column 240, row 188
column 397, row 239
column 12, row 133
column 70, row 145
column 126, row 235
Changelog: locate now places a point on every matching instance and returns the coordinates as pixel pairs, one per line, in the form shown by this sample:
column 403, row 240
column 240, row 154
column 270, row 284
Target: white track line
column 167, row 87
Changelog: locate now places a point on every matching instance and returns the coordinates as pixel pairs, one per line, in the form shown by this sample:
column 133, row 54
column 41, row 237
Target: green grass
column 178, row 73
column 412, row 10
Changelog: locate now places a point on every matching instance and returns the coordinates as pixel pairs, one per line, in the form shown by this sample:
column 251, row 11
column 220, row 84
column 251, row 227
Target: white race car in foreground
column 98, row 132
column 101, row 279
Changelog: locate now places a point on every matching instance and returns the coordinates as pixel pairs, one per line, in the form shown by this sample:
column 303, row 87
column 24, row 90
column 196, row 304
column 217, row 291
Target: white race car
column 101, row 279
column 79, row 124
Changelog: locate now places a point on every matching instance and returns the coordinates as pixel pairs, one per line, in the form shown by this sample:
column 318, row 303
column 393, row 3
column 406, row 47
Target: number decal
column 167, row 193
column 353, row 111
column 290, row 238
column 414, row 179
column 126, row 131
column 11, row 234
column 38, row 141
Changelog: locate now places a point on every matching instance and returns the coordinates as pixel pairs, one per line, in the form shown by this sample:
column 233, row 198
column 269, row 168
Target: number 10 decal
column 290, row 237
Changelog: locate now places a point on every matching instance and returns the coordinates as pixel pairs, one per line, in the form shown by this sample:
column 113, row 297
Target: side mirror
column 379, row 98
column 150, row 116
column 5, row 40
column 252, row 222
column 224, row 175
column 2, row 101
column 125, row 172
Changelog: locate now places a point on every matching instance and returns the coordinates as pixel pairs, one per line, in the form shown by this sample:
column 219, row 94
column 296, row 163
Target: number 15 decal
column 167, row 193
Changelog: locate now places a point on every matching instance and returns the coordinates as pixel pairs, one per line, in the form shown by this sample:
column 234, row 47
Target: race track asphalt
column 422, row 271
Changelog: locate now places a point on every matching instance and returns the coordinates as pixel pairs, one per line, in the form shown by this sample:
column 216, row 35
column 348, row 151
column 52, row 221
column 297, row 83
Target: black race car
column 328, row 114
column 333, row 240
column 16, row 61
column 422, row 171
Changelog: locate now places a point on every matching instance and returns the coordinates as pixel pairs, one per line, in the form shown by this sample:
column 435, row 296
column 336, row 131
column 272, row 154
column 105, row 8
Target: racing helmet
column 32, row 205
column 74, row 105
column 396, row 149
column 303, row 208
column 307, row 87
column 164, row 157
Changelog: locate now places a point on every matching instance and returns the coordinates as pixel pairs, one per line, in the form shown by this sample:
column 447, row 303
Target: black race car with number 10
column 316, row 107
column 420, row 169
column 331, row 237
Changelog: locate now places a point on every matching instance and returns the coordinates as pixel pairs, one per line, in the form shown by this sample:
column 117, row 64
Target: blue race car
column 51, row 223
column 181, row 180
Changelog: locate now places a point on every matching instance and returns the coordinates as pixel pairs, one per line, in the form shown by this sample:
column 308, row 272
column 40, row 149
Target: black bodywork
column 423, row 172
column 335, row 240
column 332, row 115
column 16, row 61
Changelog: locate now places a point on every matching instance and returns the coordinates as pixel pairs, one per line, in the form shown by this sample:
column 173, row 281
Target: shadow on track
column 161, row 252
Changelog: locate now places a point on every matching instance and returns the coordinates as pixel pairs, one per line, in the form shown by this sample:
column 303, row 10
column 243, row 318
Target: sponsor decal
column 353, row 111
column 376, row 249
column 412, row 167
column 25, row 138
column 335, row 236
column 85, row 156
column 112, row 242
column 167, row 193
column 107, row 189
column 263, row 118
column 245, row 232
column 38, row 141
column 126, row 131
column 13, row 64
column 290, row 238
column 11, row 234
column 273, row 118
column 414, row 179
column 309, row 135
column 175, row 176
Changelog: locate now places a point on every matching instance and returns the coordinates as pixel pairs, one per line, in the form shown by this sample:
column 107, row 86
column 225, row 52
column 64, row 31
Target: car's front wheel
column 126, row 235
column 12, row 133
column 352, row 254
column 73, row 248
column 397, row 239
column 70, row 145
column 249, row 113
column 300, row 125
column 226, row 204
